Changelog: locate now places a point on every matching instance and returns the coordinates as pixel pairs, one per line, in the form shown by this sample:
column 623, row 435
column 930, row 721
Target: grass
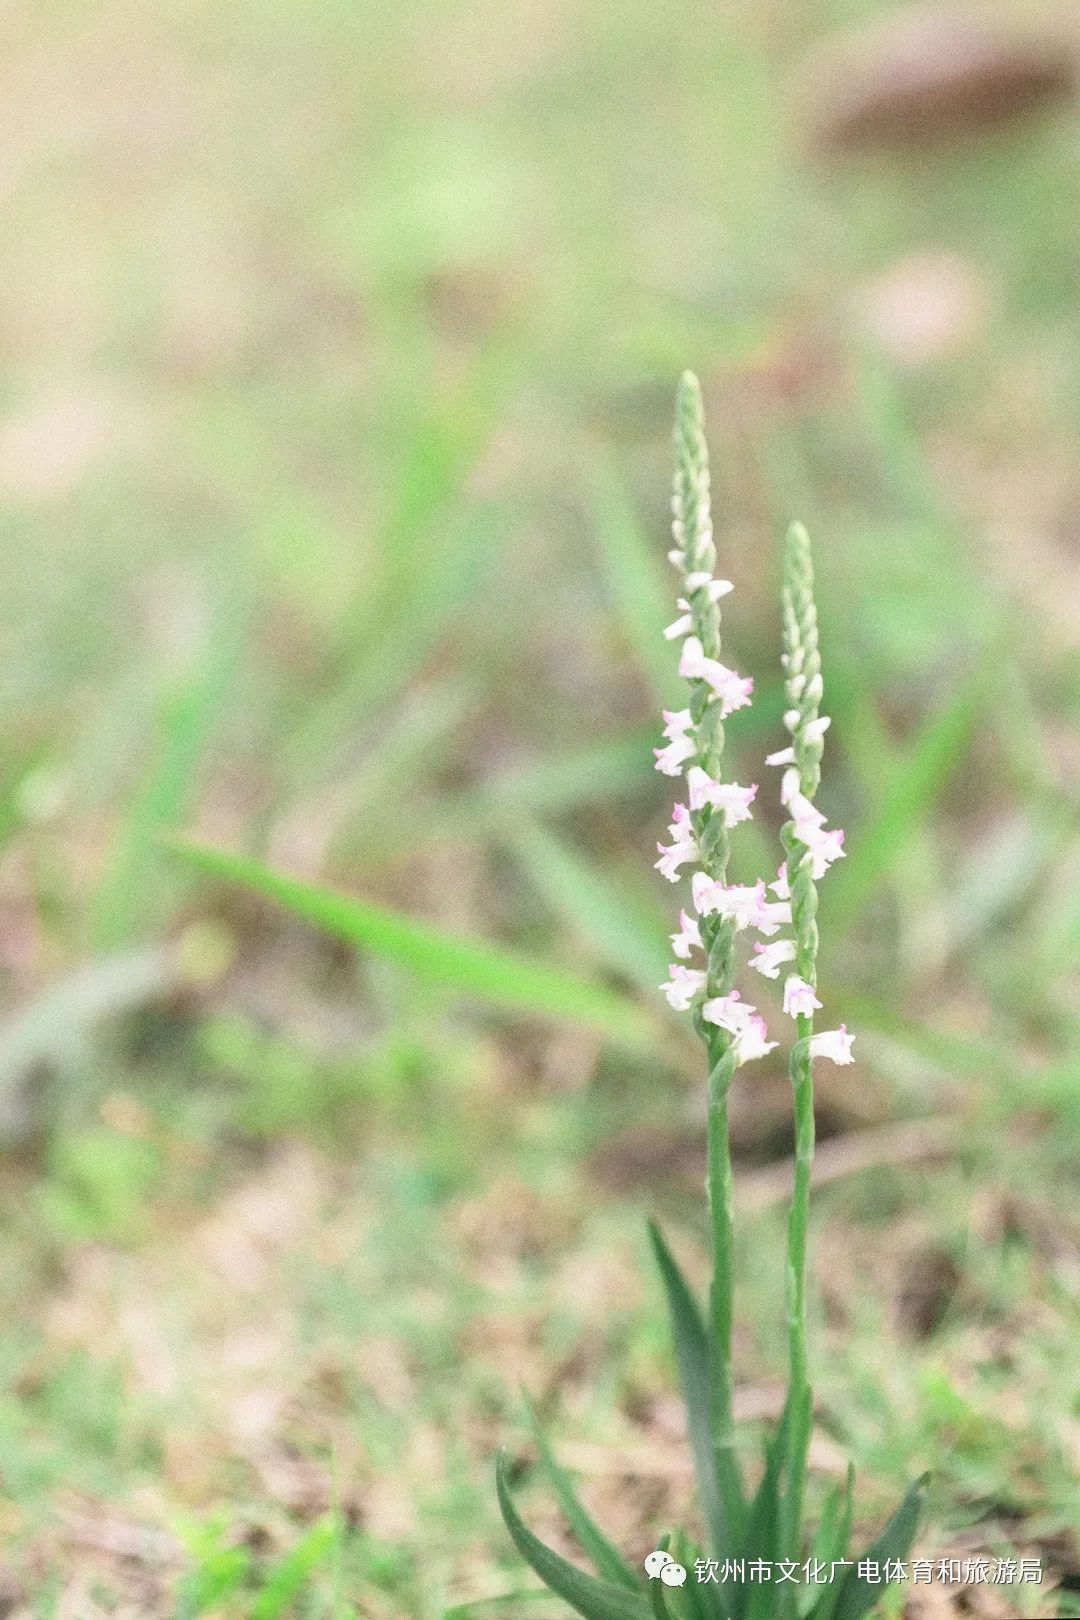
column 333, row 290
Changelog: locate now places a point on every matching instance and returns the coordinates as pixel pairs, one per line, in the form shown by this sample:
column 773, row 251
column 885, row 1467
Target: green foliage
column 471, row 967
column 768, row 1530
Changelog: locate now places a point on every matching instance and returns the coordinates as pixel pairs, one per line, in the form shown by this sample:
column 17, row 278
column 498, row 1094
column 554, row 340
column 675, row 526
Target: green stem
column 802, row 1086
column 721, row 1296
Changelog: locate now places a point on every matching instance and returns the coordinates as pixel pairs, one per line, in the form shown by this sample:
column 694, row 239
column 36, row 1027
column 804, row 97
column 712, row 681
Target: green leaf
column 131, row 899
column 594, row 1598
column 495, row 1607
column 692, row 1359
column 606, row 1558
column 858, row 1596
column 906, row 801
column 593, row 906
column 764, row 1521
column 640, row 591
column 471, row 966
column 831, row 1544
column 291, row 1573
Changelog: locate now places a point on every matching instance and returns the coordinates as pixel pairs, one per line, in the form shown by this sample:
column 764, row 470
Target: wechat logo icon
column 663, row 1565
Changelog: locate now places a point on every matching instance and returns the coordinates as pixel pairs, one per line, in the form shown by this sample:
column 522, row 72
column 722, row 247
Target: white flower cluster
column 743, row 906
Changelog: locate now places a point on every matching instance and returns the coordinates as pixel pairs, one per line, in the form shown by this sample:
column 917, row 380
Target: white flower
column 729, row 1012
column 738, row 903
column 683, row 846
column 785, row 756
column 780, row 887
column 834, row 1044
column 768, row 958
column 735, row 801
column 681, row 746
column 732, row 690
column 684, row 984
column 825, row 847
column 799, row 997
column 715, row 589
column 774, row 915
column 687, row 938
column 752, row 1042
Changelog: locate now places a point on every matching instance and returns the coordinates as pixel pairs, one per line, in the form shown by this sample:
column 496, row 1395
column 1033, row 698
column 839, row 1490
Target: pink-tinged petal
column 767, row 959
column 688, row 938
column 732, row 690
column 675, row 855
column 799, row 997
column 728, row 1012
column 677, row 722
column 780, row 887
column 752, row 1042
column 834, row 1044
column 670, row 759
column 772, row 916
column 683, row 985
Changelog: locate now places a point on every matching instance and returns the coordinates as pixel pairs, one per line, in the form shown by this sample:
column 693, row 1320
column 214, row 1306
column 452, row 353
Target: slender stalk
column 693, row 536
column 804, row 690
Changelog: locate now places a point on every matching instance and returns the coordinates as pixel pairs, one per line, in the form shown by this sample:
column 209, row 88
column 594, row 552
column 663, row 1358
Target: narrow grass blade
column 832, row 1541
column 605, row 1558
column 288, row 1577
column 912, row 790
column 692, row 1359
column 129, row 896
column 858, row 1596
column 594, row 1598
column 470, row 966
column 593, row 906
column 764, row 1525
column 495, row 1607
column 640, row 593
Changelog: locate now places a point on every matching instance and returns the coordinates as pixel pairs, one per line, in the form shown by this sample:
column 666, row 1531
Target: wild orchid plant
column 759, row 1564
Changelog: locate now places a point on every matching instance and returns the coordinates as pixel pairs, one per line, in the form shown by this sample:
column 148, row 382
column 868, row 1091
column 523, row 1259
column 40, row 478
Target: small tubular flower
column 738, row 904
column 688, row 938
column 681, row 746
column 683, row 985
column 834, row 1044
column 733, row 800
column 752, row 1042
column 732, row 691
column 799, row 998
column 728, row 1012
column 768, row 959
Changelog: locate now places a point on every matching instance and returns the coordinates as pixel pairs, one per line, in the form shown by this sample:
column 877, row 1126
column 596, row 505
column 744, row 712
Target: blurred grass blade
column 54, row 1029
column 131, row 895
column 581, row 895
column 692, row 1359
column 471, row 966
column 493, row 1608
column 291, row 1573
column 857, row 1595
column 640, row 591
column 604, row 1557
column 594, row 1598
column 915, row 784
column 593, row 773
column 388, row 650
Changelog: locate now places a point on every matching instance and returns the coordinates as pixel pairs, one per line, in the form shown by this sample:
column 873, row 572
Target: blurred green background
column 340, row 344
